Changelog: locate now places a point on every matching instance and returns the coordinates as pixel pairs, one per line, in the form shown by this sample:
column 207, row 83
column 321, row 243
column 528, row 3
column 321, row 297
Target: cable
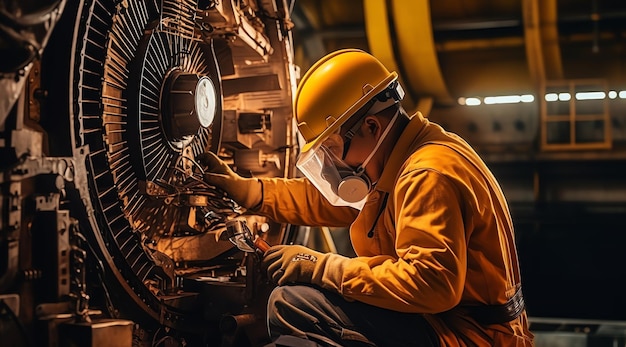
column 195, row 163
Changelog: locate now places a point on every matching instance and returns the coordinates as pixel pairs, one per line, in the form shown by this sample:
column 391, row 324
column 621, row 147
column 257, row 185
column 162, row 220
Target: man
column 436, row 264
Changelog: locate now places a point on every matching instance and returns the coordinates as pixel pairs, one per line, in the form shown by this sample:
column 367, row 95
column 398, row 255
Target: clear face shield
column 323, row 165
column 341, row 184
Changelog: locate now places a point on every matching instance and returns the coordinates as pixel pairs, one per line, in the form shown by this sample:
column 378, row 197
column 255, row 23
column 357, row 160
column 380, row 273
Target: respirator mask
column 341, row 184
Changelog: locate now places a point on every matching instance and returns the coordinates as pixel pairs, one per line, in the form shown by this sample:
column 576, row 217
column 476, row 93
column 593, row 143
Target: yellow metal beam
column 532, row 36
column 550, row 39
column 380, row 42
column 542, row 40
column 416, row 47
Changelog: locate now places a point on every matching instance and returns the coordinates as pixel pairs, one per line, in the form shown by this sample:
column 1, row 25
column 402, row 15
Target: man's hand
column 245, row 191
column 292, row 263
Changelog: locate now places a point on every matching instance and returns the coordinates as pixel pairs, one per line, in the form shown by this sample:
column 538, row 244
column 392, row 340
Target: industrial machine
column 108, row 234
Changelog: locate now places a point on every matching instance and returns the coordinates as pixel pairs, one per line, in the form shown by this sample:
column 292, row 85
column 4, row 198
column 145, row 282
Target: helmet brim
column 350, row 112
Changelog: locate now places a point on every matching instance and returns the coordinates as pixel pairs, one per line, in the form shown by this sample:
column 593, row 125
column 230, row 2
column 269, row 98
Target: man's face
column 341, row 142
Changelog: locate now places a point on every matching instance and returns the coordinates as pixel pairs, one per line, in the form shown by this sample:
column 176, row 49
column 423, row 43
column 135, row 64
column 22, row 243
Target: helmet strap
column 361, row 168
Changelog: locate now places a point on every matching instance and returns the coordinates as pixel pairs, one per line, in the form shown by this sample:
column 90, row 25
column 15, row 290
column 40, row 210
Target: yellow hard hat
column 334, row 89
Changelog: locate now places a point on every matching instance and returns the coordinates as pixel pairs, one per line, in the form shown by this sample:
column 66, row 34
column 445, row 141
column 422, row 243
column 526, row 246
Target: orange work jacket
column 435, row 236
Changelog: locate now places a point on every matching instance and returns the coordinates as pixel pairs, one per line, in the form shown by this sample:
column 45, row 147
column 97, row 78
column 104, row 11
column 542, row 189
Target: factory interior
column 109, row 238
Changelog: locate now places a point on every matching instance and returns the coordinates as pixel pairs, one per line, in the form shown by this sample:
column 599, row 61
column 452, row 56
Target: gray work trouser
column 330, row 320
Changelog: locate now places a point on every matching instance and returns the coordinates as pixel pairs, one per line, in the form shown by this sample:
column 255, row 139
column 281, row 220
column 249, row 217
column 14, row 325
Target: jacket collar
column 401, row 151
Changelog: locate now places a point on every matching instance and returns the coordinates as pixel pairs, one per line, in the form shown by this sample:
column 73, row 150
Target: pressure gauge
column 205, row 101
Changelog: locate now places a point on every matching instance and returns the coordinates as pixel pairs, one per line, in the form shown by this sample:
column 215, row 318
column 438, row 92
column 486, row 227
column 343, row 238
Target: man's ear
column 372, row 126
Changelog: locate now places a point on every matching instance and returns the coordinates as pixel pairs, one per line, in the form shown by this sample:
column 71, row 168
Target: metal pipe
column 230, row 323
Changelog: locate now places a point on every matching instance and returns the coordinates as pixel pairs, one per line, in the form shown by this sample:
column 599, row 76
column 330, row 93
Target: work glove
column 247, row 192
column 293, row 263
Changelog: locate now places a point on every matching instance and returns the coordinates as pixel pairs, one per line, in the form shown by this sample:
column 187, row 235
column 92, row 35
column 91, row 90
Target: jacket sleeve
column 296, row 201
column 428, row 272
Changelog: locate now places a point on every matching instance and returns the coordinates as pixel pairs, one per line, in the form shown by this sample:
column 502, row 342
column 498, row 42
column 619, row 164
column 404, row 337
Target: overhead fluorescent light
column 590, row 95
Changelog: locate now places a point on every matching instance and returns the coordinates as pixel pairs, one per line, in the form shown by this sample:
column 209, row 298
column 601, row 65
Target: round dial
column 205, row 101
